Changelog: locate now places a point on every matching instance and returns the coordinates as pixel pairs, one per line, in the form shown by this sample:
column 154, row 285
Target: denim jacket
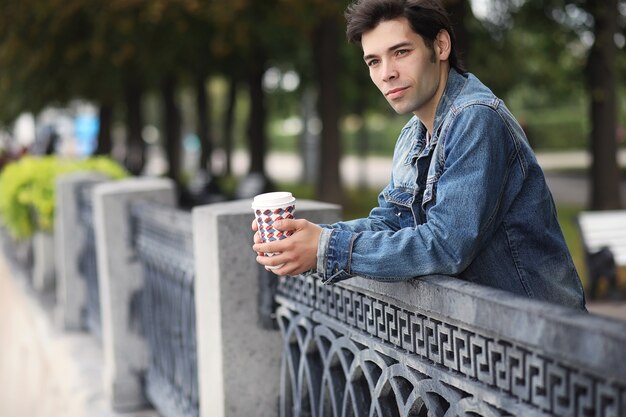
column 470, row 202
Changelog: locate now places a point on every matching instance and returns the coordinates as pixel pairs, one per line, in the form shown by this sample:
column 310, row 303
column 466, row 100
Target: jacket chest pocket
column 405, row 217
column 401, row 201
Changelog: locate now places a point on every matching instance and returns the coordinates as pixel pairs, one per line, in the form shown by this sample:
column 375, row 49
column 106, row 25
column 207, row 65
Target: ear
column 443, row 45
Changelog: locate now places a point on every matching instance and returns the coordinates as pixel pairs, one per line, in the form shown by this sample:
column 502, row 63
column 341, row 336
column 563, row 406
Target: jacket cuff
column 334, row 252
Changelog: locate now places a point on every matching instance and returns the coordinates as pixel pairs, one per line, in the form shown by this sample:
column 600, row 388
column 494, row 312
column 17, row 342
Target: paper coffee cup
column 268, row 209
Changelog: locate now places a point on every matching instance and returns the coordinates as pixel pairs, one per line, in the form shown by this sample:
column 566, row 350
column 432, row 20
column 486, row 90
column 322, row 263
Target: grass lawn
column 567, row 220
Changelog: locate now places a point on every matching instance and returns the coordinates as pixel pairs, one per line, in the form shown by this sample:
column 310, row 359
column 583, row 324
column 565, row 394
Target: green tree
column 41, row 50
column 257, row 35
column 319, row 29
column 562, row 48
column 242, row 29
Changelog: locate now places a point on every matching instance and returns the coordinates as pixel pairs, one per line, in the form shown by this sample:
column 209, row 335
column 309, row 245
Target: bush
column 27, row 190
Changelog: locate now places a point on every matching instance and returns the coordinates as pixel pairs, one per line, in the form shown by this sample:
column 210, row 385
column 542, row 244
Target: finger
column 270, row 247
column 257, row 238
column 280, row 271
column 255, row 225
column 262, row 259
column 271, row 261
column 275, row 271
column 286, row 224
column 290, row 268
column 259, row 247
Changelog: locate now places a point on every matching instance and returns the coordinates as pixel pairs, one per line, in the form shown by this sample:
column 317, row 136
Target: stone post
column 43, row 261
column 69, row 240
column 121, row 280
column 238, row 359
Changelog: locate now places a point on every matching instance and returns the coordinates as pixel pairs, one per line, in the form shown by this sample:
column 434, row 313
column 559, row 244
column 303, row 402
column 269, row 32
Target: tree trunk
column 601, row 83
column 229, row 122
column 362, row 140
column 203, row 105
column 327, row 66
column 309, row 138
column 257, row 137
column 134, row 121
column 105, row 144
column 172, row 127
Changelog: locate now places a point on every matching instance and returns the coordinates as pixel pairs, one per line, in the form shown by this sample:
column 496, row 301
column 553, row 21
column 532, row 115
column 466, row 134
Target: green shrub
column 27, row 190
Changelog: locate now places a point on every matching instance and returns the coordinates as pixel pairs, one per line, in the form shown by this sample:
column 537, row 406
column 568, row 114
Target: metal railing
column 442, row 347
column 163, row 239
column 87, row 264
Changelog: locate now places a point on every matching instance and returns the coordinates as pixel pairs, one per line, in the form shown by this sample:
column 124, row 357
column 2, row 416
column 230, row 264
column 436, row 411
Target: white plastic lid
column 273, row 200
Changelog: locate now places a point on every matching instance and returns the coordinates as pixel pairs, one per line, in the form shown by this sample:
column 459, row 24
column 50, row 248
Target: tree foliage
column 568, row 48
column 53, row 51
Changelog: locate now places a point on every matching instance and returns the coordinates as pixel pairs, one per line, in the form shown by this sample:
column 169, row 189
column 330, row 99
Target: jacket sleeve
column 474, row 188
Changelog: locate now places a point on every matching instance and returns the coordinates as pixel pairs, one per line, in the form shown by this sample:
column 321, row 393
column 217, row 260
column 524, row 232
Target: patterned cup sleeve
column 266, row 219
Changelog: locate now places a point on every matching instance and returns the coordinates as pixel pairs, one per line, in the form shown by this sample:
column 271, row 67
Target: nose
column 389, row 71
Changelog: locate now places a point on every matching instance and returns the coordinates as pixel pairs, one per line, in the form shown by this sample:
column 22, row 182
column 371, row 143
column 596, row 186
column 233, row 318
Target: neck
column 427, row 114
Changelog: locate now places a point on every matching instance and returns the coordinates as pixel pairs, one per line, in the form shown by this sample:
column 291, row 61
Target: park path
column 46, row 372
column 567, row 188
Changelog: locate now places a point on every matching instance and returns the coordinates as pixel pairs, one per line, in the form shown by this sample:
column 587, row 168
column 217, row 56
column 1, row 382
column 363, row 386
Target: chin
column 402, row 110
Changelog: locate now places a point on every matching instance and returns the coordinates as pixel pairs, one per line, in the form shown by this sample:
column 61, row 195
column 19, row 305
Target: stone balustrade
column 432, row 346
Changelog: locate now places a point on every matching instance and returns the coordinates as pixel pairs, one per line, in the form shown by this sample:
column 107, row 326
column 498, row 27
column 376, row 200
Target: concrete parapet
column 121, row 280
column 69, row 240
column 439, row 345
column 590, row 344
column 238, row 360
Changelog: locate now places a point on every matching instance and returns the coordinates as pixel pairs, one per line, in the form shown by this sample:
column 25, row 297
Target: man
column 466, row 196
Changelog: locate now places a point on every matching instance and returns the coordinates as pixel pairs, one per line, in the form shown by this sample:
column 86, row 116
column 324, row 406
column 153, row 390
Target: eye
column 372, row 62
column 402, row 52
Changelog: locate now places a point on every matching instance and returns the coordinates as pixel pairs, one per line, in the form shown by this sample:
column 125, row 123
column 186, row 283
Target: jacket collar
column 455, row 84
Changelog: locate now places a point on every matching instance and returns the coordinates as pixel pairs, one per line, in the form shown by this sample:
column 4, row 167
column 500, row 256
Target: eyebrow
column 390, row 49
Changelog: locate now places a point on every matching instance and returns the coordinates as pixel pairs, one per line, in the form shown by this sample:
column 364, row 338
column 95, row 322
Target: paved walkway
column 612, row 309
column 374, row 171
column 45, row 372
column 567, row 187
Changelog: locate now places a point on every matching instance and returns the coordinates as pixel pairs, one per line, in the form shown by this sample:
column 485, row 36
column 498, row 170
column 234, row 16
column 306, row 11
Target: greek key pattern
column 429, row 351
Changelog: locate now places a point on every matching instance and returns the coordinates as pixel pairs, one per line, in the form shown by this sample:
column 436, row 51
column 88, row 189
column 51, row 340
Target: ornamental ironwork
column 87, row 261
column 351, row 352
column 163, row 240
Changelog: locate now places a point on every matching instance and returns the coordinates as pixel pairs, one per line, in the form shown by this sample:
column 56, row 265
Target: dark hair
column 426, row 17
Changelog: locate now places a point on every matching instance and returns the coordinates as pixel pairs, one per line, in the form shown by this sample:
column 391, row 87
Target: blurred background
column 230, row 98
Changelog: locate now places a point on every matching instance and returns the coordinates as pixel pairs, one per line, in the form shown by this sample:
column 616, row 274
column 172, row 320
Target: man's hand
column 297, row 252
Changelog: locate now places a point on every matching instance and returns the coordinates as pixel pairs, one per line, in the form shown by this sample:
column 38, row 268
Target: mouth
column 395, row 92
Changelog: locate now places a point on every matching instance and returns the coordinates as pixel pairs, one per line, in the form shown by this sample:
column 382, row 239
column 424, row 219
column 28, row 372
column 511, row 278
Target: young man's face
column 403, row 68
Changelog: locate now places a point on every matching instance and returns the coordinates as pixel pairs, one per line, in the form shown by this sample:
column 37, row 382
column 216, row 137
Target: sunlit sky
column 480, row 8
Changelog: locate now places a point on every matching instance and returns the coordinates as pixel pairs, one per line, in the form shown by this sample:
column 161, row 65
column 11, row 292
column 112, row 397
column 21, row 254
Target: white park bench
column 603, row 236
